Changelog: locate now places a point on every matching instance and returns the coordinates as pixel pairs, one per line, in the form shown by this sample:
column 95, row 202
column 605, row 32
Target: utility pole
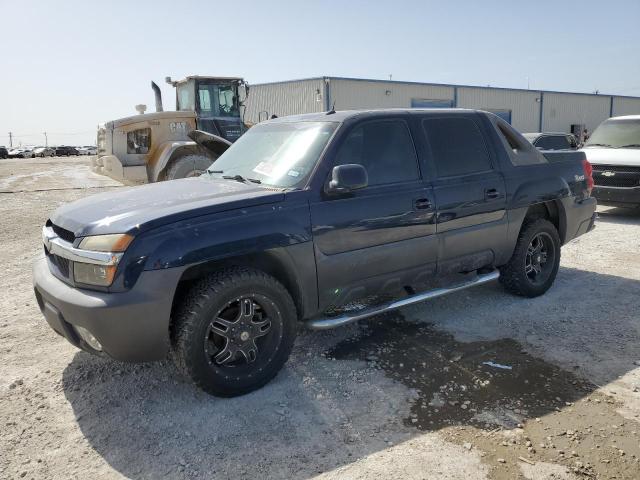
column 46, row 140
column 10, row 140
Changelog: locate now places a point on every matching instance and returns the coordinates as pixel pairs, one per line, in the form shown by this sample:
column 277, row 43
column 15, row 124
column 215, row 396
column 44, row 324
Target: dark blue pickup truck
column 300, row 217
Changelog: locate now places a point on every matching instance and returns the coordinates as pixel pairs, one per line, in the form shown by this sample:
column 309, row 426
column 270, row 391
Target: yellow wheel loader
column 151, row 147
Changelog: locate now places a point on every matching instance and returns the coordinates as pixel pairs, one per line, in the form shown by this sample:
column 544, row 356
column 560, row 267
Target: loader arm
column 213, row 143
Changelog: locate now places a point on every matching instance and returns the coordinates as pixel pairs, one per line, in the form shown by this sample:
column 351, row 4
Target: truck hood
column 613, row 156
column 137, row 209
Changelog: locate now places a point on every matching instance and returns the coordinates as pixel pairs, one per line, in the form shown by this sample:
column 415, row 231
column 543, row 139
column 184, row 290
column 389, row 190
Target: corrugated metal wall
column 561, row 110
column 626, row 106
column 524, row 105
column 285, row 98
column 357, row 94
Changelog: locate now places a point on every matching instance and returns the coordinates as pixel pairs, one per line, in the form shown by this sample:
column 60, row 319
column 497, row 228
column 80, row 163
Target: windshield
column 277, row 154
column 218, row 100
column 616, row 134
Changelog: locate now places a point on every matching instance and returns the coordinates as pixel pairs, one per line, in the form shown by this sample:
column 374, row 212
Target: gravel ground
column 405, row 395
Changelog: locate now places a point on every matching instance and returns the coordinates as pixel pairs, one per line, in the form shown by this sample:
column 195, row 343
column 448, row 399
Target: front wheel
column 187, row 166
column 534, row 264
column 234, row 331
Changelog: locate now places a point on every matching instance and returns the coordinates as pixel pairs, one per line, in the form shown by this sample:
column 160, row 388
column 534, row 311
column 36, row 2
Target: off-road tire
column 513, row 275
column 203, row 302
column 187, row 166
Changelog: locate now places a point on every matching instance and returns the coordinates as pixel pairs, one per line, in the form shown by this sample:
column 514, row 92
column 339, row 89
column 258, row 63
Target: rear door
column 383, row 236
column 469, row 190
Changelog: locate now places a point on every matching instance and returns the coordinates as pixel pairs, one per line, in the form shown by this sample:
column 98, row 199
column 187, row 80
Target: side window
column 552, row 143
column 457, row 145
column 384, row 148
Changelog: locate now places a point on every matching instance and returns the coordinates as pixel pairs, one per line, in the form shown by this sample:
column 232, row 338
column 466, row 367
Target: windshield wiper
column 631, row 145
column 598, row 145
column 240, row 178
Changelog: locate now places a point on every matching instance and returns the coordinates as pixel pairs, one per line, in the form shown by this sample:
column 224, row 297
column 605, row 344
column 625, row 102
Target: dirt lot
column 406, row 395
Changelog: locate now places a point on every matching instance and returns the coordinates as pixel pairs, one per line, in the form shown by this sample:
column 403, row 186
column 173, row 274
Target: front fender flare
column 167, row 151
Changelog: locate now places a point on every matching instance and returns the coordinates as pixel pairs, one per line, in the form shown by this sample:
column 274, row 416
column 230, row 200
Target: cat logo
column 608, row 173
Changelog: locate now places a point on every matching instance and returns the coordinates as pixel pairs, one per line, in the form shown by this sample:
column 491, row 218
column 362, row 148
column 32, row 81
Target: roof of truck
column 540, row 134
column 204, row 77
column 626, row 117
column 342, row 115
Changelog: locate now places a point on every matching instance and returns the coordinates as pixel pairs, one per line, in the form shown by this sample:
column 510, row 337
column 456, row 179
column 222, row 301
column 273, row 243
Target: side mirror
column 346, row 178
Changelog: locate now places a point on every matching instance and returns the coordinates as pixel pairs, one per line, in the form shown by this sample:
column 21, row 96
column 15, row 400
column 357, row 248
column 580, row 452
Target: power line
column 21, row 135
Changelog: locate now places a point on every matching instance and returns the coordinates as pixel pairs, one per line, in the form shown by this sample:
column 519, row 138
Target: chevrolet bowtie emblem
column 608, row 174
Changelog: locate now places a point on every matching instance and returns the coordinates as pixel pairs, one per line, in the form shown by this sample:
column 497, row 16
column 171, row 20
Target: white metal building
column 526, row 110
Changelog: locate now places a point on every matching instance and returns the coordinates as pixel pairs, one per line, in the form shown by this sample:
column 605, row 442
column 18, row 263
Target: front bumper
column 617, row 196
column 131, row 326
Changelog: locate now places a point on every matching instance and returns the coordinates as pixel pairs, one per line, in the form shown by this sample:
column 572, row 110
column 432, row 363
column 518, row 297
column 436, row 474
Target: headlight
column 91, row 274
column 100, row 274
column 106, row 243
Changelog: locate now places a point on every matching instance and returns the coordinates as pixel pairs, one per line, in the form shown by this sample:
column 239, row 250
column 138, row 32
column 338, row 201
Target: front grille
column 60, row 267
column 63, row 233
column 63, row 265
column 616, row 176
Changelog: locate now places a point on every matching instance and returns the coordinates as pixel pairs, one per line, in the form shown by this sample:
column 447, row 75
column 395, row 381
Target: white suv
column 614, row 152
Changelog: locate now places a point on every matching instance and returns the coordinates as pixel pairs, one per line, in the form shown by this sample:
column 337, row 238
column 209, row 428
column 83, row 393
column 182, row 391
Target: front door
column 381, row 237
column 469, row 191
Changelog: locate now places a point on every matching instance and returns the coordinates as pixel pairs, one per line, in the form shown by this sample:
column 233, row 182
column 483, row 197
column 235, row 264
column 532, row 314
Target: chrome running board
column 332, row 322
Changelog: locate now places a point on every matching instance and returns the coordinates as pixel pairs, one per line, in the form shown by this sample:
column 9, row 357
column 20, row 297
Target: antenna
column 333, row 108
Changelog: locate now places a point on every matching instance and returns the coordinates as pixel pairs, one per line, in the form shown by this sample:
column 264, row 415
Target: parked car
column 43, row 152
column 614, row 151
column 63, row 151
column 4, row 153
column 87, row 150
column 21, row 152
column 552, row 140
column 301, row 216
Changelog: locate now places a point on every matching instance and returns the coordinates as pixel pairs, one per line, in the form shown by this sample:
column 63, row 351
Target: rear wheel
column 534, row 264
column 234, row 331
column 187, row 166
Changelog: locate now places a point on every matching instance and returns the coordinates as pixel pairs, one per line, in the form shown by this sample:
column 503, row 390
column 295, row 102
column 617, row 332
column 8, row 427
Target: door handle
column 422, row 204
column 491, row 193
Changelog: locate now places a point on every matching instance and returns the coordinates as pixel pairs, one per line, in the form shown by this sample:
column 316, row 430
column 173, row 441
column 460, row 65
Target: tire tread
column 196, row 302
column 512, row 275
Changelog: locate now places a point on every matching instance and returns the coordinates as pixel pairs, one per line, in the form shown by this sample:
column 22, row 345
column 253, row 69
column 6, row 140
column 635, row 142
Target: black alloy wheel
column 539, row 259
column 233, row 331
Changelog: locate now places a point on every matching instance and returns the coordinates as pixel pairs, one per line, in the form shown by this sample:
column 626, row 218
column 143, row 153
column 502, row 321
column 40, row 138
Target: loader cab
column 216, row 103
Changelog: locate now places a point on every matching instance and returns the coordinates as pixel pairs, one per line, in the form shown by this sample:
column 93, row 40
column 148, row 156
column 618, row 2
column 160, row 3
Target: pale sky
column 67, row 66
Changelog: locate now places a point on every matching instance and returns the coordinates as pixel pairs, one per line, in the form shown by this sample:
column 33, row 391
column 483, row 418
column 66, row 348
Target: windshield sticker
column 264, row 168
column 293, row 173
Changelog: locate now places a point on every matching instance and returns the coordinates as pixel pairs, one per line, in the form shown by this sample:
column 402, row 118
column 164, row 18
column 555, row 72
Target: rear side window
column 556, row 142
column 385, row 148
column 457, row 146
